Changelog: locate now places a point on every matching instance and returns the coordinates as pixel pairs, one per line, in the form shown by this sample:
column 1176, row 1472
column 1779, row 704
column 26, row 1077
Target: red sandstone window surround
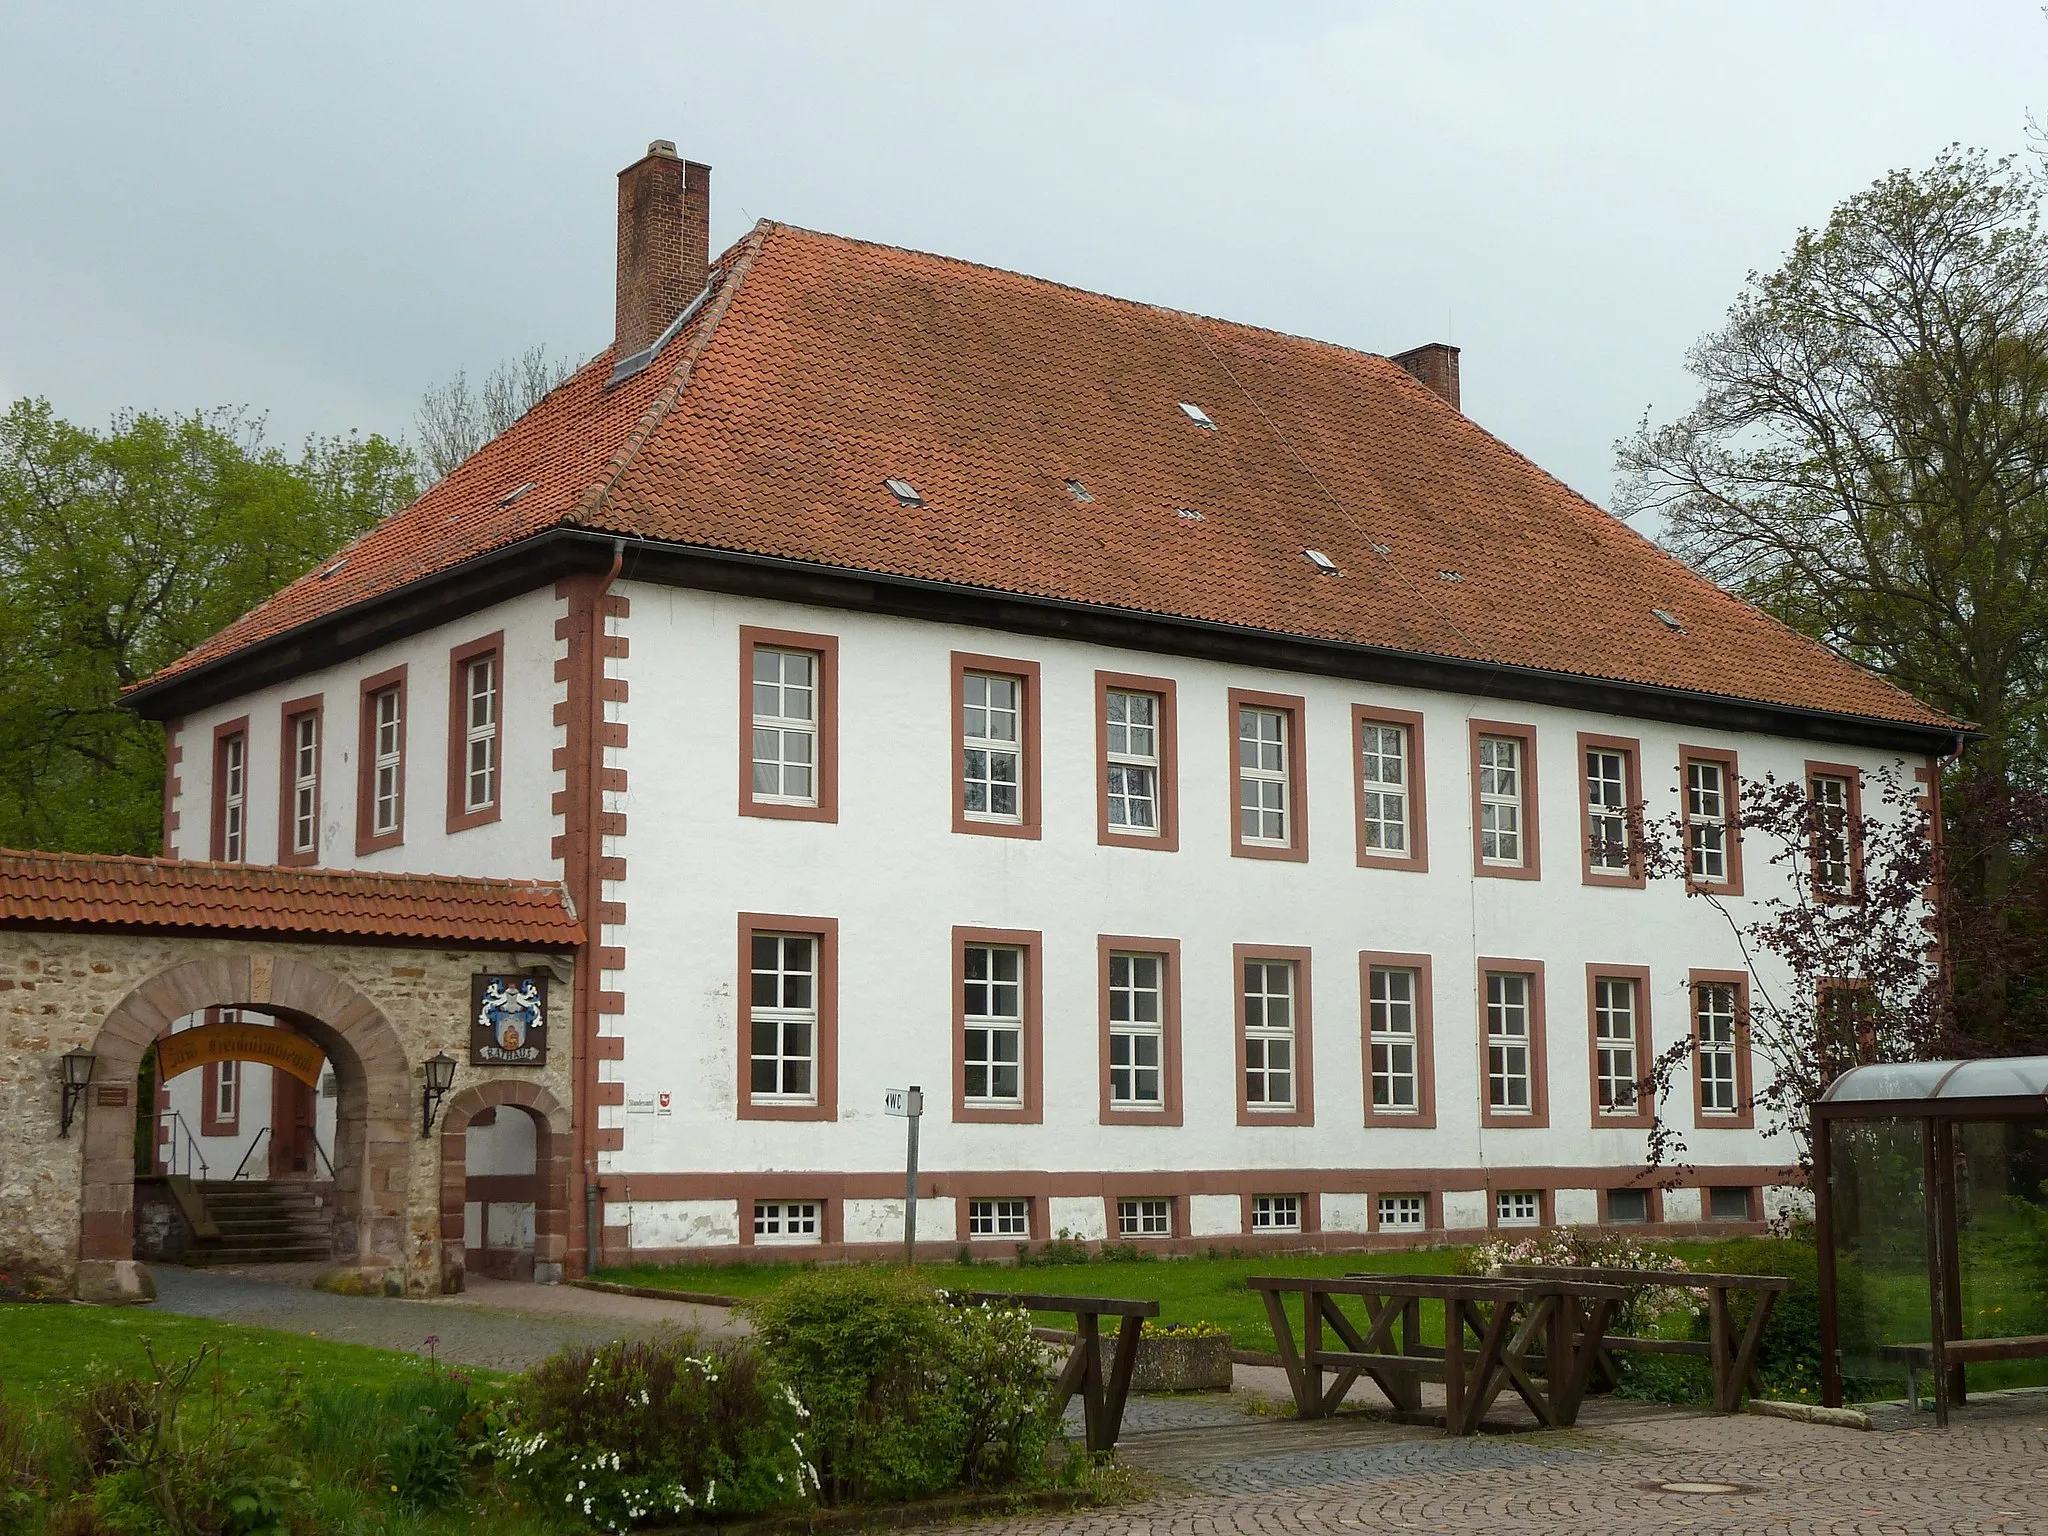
column 995, row 746
column 1505, row 845
column 1268, row 783
column 1137, row 769
column 476, row 732
column 230, row 834
column 1392, row 803
column 998, row 1066
column 1513, row 1056
column 788, row 1047
column 1618, row 1043
column 1722, row 1096
column 301, row 726
column 789, row 725
column 1400, row 1052
column 1275, row 1055
column 380, row 762
column 1139, row 986
column 1710, row 790
column 1610, row 810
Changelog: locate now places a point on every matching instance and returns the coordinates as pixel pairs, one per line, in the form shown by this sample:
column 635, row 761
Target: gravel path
column 497, row 1325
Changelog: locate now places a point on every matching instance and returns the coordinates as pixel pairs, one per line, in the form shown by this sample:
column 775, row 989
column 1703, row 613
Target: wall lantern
column 440, row 1069
column 78, row 1065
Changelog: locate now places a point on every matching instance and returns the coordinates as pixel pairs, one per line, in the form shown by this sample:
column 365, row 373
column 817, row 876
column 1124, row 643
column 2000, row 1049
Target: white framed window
column 1831, row 867
column 1132, row 733
column 1262, row 770
column 234, row 797
column 480, row 757
column 1392, row 1011
column 1144, row 1218
column 1276, row 1213
column 1714, row 1002
column 785, row 725
column 1137, row 996
column 1706, row 820
column 1614, row 1043
column 1403, row 1213
column 1508, row 1041
column 1500, row 800
column 1269, row 1016
column 991, row 745
column 227, row 1089
column 387, row 749
column 306, row 783
column 1518, row 1208
column 1383, row 765
column 1608, row 850
column 999, row 1218
column 785, row 1221
column 784, row 1002
column 993, row 1009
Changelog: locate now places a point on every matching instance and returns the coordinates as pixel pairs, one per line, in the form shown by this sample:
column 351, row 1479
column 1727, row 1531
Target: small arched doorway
column 367, row 1213
column 505, row 1153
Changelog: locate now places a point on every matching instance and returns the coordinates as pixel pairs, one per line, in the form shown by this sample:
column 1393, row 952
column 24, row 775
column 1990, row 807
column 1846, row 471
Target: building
column 1180, row 748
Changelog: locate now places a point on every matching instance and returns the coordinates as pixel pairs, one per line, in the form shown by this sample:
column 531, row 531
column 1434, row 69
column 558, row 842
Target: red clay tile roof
column 825, row 366
column 106, row 890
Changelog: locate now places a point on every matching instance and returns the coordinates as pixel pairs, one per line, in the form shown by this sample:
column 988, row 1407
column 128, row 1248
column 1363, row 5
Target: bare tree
column 455, row 420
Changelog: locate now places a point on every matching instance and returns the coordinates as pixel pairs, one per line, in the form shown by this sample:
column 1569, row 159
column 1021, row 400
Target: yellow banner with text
column 272, row 1047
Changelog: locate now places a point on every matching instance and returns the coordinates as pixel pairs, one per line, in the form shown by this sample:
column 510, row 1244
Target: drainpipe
column 589, row 976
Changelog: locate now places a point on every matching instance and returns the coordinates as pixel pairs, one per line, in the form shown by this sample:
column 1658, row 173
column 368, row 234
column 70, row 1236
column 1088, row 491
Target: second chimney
column 664, row 243
column 1436, row 364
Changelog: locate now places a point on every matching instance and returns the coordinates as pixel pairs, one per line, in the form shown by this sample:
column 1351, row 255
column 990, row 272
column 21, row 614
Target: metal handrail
column 314, row 1137
column 190, row 1148
column 252, row 1151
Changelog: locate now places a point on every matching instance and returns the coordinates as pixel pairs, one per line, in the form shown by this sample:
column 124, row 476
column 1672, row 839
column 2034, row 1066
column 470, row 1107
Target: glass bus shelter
column 1931, row 1209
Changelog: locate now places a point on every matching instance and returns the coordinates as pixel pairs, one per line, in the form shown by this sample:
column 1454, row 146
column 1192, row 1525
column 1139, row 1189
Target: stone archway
column 371, row 1154
column 553, row 1156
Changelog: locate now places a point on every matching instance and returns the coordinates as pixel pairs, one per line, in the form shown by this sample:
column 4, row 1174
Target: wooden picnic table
column 1959, row 1352
column 1511, row 1323
column 1102, row 1403
column 1732, row 1360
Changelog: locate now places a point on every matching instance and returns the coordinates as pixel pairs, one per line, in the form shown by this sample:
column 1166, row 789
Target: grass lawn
column 47, row 1350
column 1187, row 1290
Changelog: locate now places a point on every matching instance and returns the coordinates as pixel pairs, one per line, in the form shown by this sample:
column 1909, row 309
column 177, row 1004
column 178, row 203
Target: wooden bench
column 1102, row 1402
column 1504, row 1317
column 1732, row 1360
column 1920, row 1357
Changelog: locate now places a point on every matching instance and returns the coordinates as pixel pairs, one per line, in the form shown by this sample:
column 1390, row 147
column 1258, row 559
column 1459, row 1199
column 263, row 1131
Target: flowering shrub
column 1582, row 1248
column 910, row 1395
column 653, row 1431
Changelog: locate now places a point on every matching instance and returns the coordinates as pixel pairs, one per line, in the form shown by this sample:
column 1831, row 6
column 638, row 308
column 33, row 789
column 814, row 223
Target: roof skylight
column 1189, row 513
column 1669, row 620
column 1078, row 491
column 334, row 567
column 904, row 492
column 514, row 494
column 1322, row 562
column 1198, row 416
column 1449, row 576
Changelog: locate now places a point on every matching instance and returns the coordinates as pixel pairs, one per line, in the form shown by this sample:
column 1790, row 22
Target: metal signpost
column 908, row 1103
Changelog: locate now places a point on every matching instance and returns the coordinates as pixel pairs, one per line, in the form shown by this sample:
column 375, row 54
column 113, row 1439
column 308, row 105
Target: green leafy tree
column 1868, row 460
column 119, row 551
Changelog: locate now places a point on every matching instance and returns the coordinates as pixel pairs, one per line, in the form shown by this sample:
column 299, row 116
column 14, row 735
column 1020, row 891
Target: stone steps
column 262, row 1221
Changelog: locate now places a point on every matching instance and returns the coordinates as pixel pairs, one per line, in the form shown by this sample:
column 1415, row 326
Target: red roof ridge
column 286, row 873
column 778, row 226
column 738, row 258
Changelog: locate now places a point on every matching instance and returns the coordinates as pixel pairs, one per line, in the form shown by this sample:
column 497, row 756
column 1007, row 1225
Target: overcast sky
column 320, row 211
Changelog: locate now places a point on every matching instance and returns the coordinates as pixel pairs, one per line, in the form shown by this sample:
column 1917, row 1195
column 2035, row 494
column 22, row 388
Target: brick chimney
column 664, row 243
column 1435, row 363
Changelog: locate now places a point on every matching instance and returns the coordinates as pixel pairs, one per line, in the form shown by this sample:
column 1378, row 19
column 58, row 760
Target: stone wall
column 378, row 1011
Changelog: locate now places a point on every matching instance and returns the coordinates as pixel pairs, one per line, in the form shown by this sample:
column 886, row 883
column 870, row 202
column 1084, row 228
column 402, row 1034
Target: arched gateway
column 99, row 957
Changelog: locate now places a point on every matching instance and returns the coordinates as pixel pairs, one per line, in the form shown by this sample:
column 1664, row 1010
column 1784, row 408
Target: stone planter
column 1171, row 1363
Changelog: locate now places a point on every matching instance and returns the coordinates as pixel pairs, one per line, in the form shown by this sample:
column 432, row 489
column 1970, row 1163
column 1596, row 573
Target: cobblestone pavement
column 1989, row 1473
column 500, row 1326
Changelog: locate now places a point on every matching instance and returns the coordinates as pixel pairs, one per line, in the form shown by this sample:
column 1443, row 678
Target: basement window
column 1078, row 491
column 1198, row 416
column 904, row 492
column 1322, row 562
column 514, row 494
column 1669, row 620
